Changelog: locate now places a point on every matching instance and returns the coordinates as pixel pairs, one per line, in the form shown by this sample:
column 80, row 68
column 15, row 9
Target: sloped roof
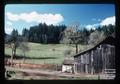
column 68, row 62
column 109, row 40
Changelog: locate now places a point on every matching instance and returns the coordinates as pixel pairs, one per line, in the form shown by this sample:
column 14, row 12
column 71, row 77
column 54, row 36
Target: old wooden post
column 74, row 67
column 87, row 62
column 82, row 64
column 103, row 65
column 86, row 68
column 92, row 62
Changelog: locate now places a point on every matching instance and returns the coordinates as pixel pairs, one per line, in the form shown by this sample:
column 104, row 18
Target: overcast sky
column 88, row 15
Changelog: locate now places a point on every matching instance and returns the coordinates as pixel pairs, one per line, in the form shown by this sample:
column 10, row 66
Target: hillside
column 48, row 53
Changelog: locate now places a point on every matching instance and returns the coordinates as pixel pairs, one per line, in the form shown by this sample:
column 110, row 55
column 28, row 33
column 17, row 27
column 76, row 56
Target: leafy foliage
column 96, row 37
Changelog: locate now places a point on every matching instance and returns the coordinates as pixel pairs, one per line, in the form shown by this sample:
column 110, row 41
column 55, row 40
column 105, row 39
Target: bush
column 67, row 53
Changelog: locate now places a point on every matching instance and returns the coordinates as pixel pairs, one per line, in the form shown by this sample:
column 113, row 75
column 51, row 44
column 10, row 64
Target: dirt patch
column 33, row 76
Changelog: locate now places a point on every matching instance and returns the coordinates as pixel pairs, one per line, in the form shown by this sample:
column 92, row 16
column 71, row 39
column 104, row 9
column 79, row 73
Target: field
column 45, row 53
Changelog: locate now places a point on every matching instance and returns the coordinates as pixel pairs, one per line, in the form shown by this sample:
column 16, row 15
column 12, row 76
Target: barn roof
column 68, row 62
column 109, row 40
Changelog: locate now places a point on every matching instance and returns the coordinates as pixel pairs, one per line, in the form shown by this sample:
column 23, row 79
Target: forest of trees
column 45, row 34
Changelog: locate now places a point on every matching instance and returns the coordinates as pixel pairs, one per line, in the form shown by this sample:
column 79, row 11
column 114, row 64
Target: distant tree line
column 45, row 34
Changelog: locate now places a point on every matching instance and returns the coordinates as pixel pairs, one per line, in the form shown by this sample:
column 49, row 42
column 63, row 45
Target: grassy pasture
column 48, row 53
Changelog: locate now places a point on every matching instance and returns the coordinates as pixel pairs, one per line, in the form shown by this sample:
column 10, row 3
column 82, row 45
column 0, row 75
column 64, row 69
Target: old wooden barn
column 97, row 59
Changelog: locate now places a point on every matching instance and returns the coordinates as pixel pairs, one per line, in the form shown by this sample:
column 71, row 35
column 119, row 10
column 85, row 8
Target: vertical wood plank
column 92, row 62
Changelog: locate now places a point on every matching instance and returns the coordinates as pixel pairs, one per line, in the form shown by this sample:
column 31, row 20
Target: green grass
column 45, row 50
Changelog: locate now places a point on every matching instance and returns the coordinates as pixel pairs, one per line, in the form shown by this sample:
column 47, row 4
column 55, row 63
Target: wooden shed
column 98, row 58
column 68, row 66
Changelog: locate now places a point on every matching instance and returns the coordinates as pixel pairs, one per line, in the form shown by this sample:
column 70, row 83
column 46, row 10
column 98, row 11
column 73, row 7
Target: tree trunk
column 12, row 58
column 13, row 55
column 76, row 48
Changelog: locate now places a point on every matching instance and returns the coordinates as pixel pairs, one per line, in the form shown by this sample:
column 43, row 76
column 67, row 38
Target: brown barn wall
column 103, row 57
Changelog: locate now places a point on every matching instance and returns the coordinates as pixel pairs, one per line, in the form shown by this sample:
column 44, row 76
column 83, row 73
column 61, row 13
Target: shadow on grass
column 21, row 57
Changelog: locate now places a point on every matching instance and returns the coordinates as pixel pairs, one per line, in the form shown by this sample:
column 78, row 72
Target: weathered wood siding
column 97, row 59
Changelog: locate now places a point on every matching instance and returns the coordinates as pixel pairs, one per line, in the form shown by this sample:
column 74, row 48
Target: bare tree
column 13, row 43
column 71, row 35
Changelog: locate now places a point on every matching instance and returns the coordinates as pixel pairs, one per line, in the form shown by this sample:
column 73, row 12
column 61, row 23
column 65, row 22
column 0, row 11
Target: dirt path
column 45, row 72
column 56, row 74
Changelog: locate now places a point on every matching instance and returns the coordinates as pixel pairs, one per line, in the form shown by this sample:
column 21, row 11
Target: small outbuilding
column 68, row 66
